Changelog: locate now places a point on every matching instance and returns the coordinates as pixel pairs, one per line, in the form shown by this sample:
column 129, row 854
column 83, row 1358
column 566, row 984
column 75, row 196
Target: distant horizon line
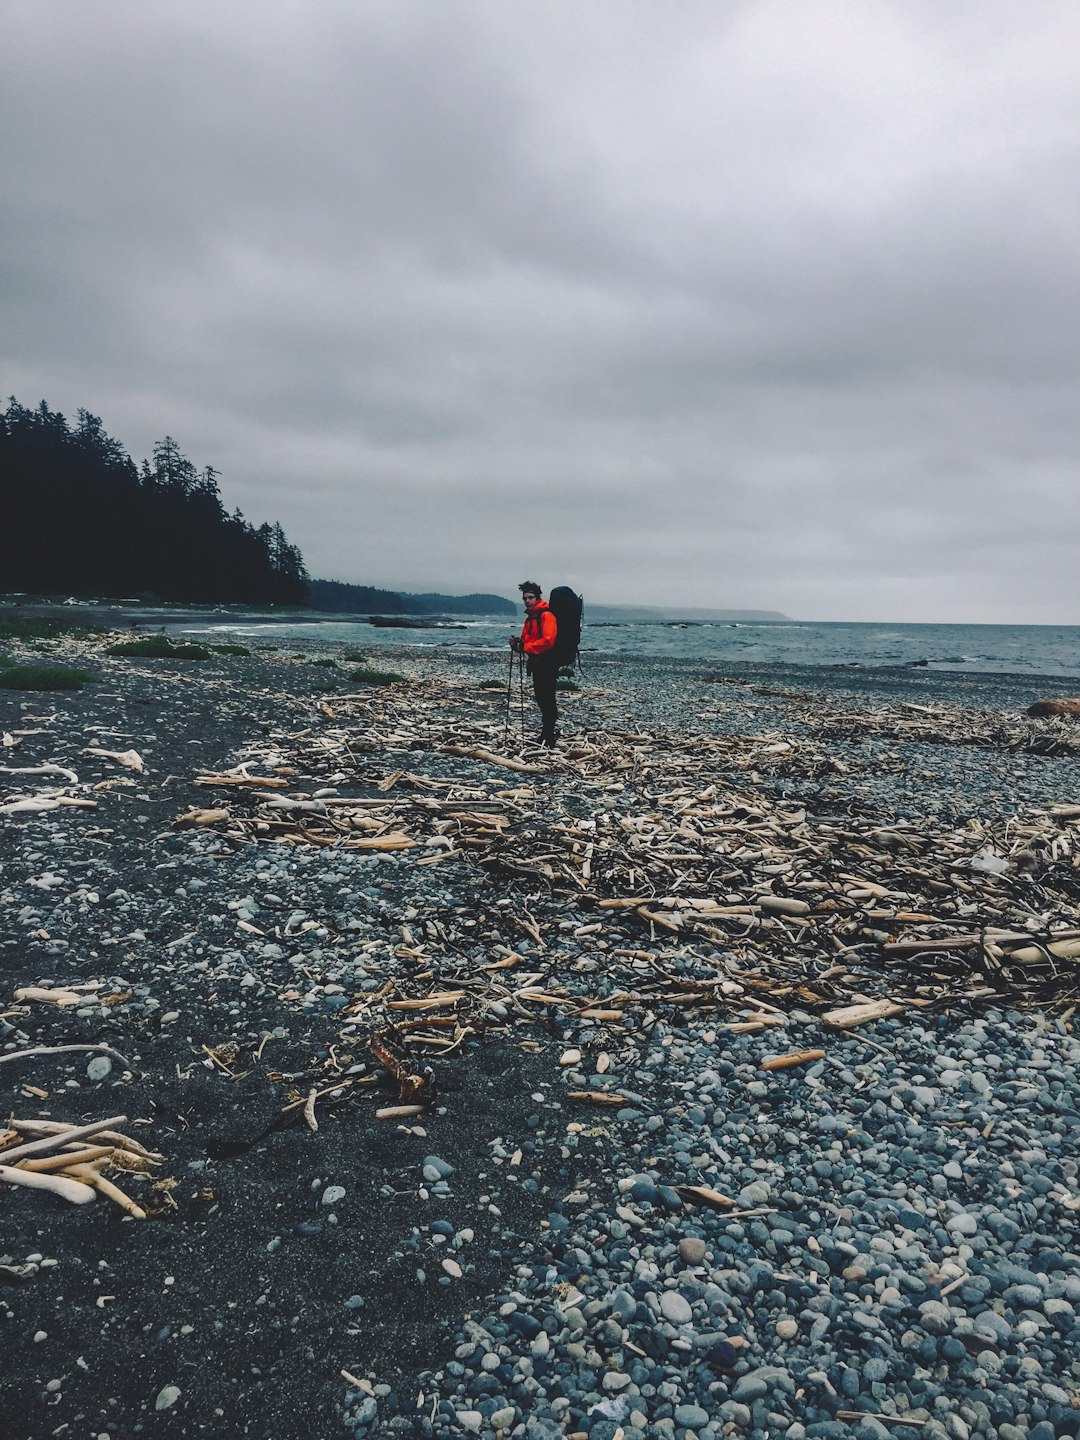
column 130, row 602
column 802, row 620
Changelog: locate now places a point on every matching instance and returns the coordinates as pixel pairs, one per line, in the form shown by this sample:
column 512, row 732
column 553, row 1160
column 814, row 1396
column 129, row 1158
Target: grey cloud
column 712, row 305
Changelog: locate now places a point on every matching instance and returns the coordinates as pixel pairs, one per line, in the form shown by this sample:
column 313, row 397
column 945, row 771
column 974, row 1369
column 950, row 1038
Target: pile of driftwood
column 666, row 867
column 61, row 786
column 70, row 1160
column 940, row 724
column 1055, row 733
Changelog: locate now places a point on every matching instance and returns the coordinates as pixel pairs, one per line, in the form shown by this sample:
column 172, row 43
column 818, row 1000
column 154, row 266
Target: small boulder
column 1045, row 708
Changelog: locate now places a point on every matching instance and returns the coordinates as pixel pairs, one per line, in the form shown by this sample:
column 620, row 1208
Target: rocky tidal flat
column 714, row 1076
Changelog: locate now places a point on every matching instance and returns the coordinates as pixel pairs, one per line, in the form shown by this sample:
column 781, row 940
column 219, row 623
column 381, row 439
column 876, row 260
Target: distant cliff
column 334, row 595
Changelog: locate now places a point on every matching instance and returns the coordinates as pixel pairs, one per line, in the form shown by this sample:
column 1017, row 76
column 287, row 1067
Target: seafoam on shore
column 901, row 1252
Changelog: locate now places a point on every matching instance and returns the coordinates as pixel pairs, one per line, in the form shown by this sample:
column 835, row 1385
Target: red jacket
column 539, row 631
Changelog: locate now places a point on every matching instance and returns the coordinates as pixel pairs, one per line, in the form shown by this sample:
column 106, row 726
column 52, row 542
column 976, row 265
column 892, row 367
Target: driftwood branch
column 478, row 752
column 49, row 996
column 89, row 1176
column 63, row 1133
column 129, row 759
column 55, row 1141
column 788, row 1062
column 68, row 775
column 73, row 1190
column 309, row 1110
column 67, row 1159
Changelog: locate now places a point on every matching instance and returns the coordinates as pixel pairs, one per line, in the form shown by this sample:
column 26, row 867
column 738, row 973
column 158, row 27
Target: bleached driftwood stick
column 129, row 759
column 90, row 1176
column 704, row 1195
column 50, row 769
column 54, row 1141
column 479, row 753
column 202, row 817
column 58, row 996
column 66, row 1159
column 60, row 1129
column 309, row 1111
column 30, row 803
column 848, row 1016
column 338, row 1088
column 73, row 1190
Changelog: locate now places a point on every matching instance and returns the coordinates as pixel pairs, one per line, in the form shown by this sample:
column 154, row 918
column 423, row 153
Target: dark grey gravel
column 906, row 1242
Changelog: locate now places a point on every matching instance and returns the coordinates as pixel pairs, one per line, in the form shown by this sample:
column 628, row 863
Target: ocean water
column 1020, row 650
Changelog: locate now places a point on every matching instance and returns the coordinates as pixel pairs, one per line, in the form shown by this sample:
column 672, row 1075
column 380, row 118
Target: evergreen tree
column 79, row 516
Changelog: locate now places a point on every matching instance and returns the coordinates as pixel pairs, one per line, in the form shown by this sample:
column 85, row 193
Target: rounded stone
column 935, row 1316
column 366, row 1411
column 692, row 1416
column 749, row 1388
column 691, row 1250
column 723, row 1356
column 962, row 1225
column 675, row 1307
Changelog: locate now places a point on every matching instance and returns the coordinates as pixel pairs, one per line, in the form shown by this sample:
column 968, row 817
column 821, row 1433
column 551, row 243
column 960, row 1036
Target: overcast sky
column 715, row 303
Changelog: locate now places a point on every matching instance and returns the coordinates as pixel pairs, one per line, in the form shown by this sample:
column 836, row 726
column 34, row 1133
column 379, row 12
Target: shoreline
column 1019, row 686
column 573, row 1301
column 106, row 615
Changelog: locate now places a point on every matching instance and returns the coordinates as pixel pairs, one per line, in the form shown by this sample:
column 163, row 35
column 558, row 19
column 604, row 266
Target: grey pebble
column 691, row 1415
column 675, row 1307
column 692, row 1250
column 167, row 1397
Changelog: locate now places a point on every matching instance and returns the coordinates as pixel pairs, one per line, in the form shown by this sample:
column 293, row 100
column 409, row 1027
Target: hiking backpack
column 568, row 609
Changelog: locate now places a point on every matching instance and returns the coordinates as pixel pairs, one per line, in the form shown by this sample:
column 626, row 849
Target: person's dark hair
column 530, row 585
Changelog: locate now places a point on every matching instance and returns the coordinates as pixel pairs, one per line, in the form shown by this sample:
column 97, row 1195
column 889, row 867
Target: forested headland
column 364, row 599
column 79, row 517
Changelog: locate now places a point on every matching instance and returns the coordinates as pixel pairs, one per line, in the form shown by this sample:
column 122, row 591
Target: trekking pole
column 509, row 692
column 521, row 693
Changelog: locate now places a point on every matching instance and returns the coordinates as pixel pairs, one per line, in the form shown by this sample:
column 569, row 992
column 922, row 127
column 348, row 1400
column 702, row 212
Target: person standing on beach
column 537, row 641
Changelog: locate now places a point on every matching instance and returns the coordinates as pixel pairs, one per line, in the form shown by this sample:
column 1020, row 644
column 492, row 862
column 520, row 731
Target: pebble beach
column 646, row 1185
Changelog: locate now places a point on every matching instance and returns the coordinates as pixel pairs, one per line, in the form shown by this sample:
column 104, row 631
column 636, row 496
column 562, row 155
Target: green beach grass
column 364, row 676
column 42, row 677
column 159, row 647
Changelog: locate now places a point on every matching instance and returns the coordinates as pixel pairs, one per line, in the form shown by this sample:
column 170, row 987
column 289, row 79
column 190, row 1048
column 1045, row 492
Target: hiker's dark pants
column 545, row 672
